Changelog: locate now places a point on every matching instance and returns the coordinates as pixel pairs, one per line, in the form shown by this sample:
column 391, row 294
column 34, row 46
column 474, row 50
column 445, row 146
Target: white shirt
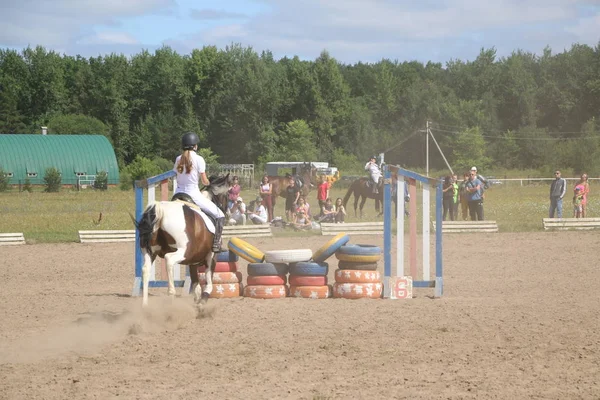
column 373, row 169
column 188, row 183
column 261, row 214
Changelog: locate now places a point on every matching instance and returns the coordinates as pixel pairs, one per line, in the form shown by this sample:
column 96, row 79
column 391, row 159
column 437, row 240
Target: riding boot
column 375, row 188
column 217, row 241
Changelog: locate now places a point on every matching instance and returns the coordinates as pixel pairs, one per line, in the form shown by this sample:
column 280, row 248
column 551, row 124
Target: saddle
column 379, row 183
column 187, row 200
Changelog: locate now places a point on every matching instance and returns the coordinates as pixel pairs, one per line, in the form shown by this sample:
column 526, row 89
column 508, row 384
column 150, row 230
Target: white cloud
column 209, row 14
column 109, row 38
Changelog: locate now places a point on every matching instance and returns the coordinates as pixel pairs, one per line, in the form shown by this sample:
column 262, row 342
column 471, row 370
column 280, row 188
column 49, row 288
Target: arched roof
column 28, row 156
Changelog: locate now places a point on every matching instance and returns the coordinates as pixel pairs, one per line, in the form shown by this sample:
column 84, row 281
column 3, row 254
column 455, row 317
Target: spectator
column 557, row 192
column 301, row 221
column 340, row 211
column 484, row 186
column 328, row 213
column 238, row 212
column 464, row 197
column 259, row 215
column 302, row 205
column 234, row 192
column 474, row 186
column 322, row 191
column 292, row 193
column 586, row 189
column 448, row 198
column 455, row 199
column 266, row 192
column 577, row 201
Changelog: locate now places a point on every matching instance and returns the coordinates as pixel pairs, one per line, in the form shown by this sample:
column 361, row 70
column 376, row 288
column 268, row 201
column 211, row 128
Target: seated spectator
column 237, row 213
column 340, row 211
column 301, row 221
column 327, row 212
column 302, row 206
column 259, row 215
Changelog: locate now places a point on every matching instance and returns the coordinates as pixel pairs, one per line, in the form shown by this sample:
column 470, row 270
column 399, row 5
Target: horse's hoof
column 204, row 298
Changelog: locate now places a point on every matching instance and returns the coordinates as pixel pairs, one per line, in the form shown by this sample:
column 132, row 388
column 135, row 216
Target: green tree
column 297, row 142
column 4, row 181
column 52, row 178
column 77, row 124
column 101, row 182
column 470, row 149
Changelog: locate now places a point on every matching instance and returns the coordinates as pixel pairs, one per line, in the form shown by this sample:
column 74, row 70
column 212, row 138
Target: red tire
column 357, row 276
column 299, row 280
column 311, row 292
column 222, row 277
column 225, row 291
column 357, row 290
column 266, row 280
column 222, row 266
column 266, row 291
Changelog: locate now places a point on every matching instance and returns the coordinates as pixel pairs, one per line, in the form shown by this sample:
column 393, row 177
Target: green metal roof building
column 28, row 156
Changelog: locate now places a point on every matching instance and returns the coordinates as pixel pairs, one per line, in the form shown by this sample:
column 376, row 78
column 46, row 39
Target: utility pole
column 427, row 151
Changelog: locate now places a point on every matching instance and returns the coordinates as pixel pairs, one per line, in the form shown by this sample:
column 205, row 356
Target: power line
column 462, row 128
column 523, row 138
column 402, row 142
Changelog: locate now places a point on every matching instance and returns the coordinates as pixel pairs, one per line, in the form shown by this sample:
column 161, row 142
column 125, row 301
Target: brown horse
column 280, row 183
column 174, row 231
column 362, row 191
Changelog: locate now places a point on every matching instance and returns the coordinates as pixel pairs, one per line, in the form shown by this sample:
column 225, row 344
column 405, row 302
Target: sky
column 350, row 30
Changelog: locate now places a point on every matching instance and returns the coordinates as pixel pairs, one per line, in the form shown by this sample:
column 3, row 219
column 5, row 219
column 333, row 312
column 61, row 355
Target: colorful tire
column 299, row 280
column 365, row 266
column 266, row 280
column 227, row 256
column 267, row 269
column 311, row 292
column 225, row 291
column 330, row 247
column 222, row 277
column 265, row 291
column 357, row 290
column 222, row 266
column 357, row 276
column 288, row 256
column 359, row 253
column 245, row 250
column 309, row 269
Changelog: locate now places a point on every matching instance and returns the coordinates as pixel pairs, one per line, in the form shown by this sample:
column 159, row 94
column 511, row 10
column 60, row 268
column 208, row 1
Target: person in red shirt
column 322, row 192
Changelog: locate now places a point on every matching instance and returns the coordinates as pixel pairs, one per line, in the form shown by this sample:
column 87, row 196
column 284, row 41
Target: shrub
column 3, row 181
column 125, row 180
column 52, row 179
column 27, row 186
column 101, row 181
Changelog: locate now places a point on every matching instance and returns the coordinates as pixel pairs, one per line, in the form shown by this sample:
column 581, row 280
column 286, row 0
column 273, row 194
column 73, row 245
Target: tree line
column 523, row 111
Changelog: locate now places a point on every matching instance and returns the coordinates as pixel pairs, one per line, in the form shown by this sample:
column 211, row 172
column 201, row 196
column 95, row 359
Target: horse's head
column 307, row 175
column 217, row 189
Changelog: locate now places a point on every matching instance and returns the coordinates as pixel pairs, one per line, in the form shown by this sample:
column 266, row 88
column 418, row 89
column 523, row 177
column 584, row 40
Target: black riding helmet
column 189, row 140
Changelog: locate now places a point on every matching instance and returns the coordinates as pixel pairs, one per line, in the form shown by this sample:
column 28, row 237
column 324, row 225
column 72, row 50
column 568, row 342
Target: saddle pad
column 210, row 225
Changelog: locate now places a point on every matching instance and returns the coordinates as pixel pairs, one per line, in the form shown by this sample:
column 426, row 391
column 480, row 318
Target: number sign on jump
column 401, row 287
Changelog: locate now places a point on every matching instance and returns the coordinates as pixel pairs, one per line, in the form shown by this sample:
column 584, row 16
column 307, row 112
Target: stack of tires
column 227, row 279
column 309, row 280
column 357, row 276
column 266, row 280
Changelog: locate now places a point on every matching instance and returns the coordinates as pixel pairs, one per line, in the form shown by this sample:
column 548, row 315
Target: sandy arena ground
column 519, row 319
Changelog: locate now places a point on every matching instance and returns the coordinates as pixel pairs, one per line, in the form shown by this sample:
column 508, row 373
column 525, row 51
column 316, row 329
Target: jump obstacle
column 400, row 285
column 7, row 239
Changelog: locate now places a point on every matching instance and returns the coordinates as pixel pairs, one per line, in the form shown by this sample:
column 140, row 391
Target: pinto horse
column 280, row 183
column 362, row 190
column 176, row 232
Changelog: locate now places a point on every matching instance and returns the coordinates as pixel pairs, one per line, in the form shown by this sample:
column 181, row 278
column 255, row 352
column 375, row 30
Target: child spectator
column 578, row 201
column 322, row 191
column 340, row 211
column 301, row 221
column 233, row 193
column 327, row 212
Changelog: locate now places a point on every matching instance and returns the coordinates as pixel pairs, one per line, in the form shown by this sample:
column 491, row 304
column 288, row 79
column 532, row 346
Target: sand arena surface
column 519, row 319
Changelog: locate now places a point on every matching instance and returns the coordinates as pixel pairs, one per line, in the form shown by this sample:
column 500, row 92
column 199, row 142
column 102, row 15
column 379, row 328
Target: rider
column 191, row 168
column 375, row 173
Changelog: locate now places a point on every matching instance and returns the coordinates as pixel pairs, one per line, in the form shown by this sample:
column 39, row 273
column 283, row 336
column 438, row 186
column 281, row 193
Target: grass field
column 56, row 217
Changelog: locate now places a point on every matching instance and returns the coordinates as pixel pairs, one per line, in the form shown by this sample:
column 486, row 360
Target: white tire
column 288, row 256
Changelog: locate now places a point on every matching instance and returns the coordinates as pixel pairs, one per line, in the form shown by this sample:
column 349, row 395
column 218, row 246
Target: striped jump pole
column 399, row 285
column 150, row 185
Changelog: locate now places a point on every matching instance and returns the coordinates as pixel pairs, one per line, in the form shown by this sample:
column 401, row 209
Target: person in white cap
column 484, row 186
column 238, row 212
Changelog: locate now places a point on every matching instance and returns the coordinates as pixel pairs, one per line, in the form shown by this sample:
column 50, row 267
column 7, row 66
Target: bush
column 3, row 181
column 125, row 180
column 101, row 181
column 52, row 179
column 27, row 186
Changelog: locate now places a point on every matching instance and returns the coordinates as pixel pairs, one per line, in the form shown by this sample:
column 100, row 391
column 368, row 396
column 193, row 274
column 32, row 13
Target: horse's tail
column 348, row 194
column 148, row 224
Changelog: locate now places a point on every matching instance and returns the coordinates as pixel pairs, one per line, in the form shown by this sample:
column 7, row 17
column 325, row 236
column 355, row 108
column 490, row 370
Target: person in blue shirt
column 474, row 189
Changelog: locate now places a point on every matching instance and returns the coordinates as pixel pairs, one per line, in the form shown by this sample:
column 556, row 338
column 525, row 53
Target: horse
column 362, row 189
column 280, row 183
column 174, row 231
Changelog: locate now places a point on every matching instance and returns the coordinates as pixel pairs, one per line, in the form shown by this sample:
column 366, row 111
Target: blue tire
column 360, row 250
column 227, row 256
column 330, row 247
column 309, row 269
column 267, row 269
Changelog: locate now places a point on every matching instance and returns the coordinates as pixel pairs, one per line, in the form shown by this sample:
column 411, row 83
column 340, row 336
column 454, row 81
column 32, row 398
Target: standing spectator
column 484, row 186
column 292, row 193
column 448, row 198
column 234, row 192
column 455, row 200
column 577, row 201
column 322, row 191
column 340, row 211
column 259, row 215
column 583, row 181
column 266, row 192
column 463, row 197
column 557, row 192
column 238, row 212
column 475, row 200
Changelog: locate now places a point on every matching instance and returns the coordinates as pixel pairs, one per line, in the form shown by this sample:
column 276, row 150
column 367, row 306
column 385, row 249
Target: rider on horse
column 191, row 169
column 375, row 173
